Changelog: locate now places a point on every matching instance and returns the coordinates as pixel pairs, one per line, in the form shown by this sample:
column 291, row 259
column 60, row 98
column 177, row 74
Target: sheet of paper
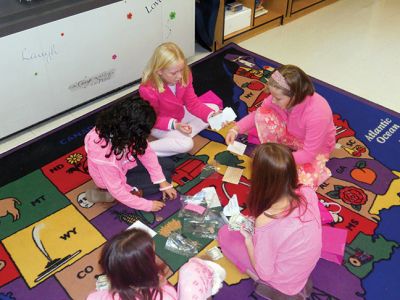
column 138, row 224
column 211, row 197
column 237, row 147
column 232, row 175
column 216, row 122
column 232, row 208
column 227, row 115
column 196, row 123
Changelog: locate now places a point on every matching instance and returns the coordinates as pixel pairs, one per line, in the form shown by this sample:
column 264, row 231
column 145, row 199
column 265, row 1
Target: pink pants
column 233, row 248
column 171, row 142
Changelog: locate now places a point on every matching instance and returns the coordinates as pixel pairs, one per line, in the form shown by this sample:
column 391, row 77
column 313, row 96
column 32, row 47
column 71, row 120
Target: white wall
column 51, row 68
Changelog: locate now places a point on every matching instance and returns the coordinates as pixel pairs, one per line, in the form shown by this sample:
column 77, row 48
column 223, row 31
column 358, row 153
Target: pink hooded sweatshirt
column 110, row 173
column 310, row 122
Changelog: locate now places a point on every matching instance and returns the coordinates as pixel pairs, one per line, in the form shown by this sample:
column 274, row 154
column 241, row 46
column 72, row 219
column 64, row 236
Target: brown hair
column 299, row 82
column 129, row 262
column 274, row 175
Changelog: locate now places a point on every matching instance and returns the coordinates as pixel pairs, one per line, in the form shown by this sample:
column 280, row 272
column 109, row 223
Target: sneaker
column 137, row 192
column 98, row 195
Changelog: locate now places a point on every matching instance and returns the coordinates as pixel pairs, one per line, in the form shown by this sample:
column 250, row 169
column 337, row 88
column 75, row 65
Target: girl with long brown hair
column 286, row 243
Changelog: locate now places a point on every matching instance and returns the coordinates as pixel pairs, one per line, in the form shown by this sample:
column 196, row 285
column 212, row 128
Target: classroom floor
column 351, row 44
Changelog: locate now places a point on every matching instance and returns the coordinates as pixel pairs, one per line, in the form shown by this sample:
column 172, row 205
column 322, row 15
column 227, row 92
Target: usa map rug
column 51, row 236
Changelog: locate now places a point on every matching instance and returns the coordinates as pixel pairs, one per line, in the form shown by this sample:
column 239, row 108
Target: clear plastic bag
column 194, row 207
column 200, row 229
column 178, row 244
column 199, row 199
column 206, row 228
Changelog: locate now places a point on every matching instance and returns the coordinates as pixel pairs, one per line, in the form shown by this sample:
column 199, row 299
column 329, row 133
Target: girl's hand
column 157, row 205
column 246, row 234
column 169, row 194
column 231, row 135
column 167, row 190
column 183, row 127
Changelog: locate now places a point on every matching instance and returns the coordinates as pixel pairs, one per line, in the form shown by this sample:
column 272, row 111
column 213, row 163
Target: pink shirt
column 169, row 293
column 286, row 250
column 169, row 106
column 311, row 122
column 110, row 173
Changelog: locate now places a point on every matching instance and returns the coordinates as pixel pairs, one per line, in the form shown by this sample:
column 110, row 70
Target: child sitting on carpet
column 286, row 243
column 294, row 115
column 117, row 144
column 129, row 263
column 167, row 85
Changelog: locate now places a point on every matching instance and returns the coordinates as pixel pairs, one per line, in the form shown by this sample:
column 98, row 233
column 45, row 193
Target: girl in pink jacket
column 167, row 85
column 294, row 115
column 132, row 271
column 113, row 148
column 285, row 245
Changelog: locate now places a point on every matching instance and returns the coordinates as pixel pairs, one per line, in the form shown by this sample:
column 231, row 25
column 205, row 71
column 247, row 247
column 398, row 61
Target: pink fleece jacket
column 287, row 249
column 170, row 106
column 169, row 293
column 311, row 122
column 110, row 173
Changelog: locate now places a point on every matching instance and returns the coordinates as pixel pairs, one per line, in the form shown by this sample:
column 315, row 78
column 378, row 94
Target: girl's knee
column 186, row 144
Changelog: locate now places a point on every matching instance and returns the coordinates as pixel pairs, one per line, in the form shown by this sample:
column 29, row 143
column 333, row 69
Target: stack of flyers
column 102, row 283
column 238, row 221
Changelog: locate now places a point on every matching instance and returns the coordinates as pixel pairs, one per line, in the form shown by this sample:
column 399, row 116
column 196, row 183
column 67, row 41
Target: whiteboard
column 60, row 65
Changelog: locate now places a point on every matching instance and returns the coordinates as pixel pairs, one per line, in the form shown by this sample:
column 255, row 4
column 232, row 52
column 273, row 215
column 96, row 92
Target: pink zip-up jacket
column 110, row 173
column 168, row 293
column 169, row 106
column 310, row 121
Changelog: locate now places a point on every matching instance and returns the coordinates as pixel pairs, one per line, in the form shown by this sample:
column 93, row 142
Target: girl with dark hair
column 294, row 115
column 117, row 144
column 286, row 243
column 129, row 263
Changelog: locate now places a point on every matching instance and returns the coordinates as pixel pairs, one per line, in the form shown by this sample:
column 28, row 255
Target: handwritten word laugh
column 382, row 132
column 46, row 55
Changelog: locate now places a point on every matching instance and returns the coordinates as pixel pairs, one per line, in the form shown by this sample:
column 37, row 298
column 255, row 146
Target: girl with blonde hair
column 167, row 85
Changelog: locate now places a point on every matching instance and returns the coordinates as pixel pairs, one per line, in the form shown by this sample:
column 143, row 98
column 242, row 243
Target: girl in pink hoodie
column 294, row 115
column 114, row 147
column 133, row 272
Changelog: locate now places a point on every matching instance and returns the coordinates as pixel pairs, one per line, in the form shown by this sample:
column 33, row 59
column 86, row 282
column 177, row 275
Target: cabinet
column 298, row 8
column 264, row 15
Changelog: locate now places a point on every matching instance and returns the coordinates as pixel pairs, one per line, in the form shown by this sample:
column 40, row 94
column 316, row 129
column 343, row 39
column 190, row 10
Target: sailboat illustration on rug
column 52, row 264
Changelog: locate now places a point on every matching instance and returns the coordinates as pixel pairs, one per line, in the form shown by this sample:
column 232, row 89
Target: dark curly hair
column 126, row 125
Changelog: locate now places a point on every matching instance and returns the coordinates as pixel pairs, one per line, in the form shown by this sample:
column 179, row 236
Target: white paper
column 138, row 224
column 227, row 115
column 211, row 197
column 232, row 208
column 237, row 147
